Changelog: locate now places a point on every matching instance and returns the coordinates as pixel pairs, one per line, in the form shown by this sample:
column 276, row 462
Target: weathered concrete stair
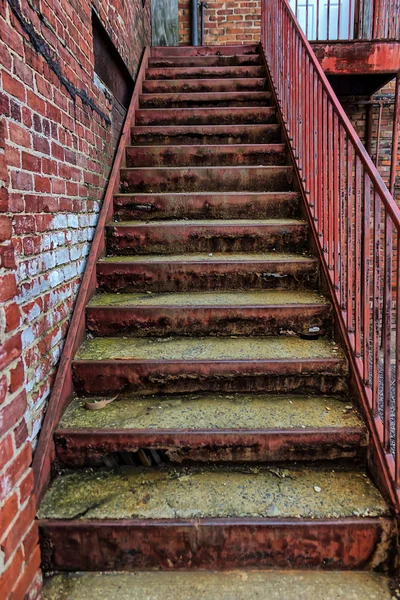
column 211, row 334
column 236, row 585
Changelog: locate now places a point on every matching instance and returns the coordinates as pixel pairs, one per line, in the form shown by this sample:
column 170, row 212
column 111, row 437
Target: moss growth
column 235, row 585
column 213, row 411
column 216, row 257
column 256, row 298
column 208, row 348
column 197, row 492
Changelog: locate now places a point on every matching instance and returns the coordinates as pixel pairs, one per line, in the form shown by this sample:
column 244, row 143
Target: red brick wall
column 231, row 22
column 58, row 132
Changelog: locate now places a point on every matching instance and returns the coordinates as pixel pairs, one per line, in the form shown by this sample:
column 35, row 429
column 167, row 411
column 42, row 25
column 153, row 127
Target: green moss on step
column 208, row 348
column 216, row 257
column 234, row 585
column 213, row 411
column 197, row 492
column 256, row 298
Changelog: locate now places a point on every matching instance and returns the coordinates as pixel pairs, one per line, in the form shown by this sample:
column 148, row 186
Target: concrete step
column 206, row 61
column 214, row 517
column 109, row 365
column 190, row 272
column 213, row 427
column 204, row 72
column 211, row 155
column 210, row 99
column 205, row 134
column 179, row 86
column 209, row 313
column 234, row 585
column 213, row 50
column 209, row 205
column 200, row 179
column 180, row 236
column 206, row 116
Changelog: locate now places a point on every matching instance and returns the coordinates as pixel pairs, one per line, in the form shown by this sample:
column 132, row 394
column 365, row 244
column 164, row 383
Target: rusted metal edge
column 188, row 434
column 284, row 364
column 384, row 475
column 217, row 543
column 62, row 387
column 314, row 444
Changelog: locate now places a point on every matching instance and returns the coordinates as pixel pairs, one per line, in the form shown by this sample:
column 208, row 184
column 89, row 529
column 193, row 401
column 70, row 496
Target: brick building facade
column 59, row 127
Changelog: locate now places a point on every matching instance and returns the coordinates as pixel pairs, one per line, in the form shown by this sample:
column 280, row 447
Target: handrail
column 356, row 224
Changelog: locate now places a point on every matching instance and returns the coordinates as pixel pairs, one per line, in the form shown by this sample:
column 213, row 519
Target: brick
column 8, row 287
column 5, row 228
column 31, row 162
column 13, row 316
column 11, row 574
column 18, row 530
column 27, row 576
column 8, row 512
column 16, row 377
column 13, row 473
column 12, row 86
column 12, row 412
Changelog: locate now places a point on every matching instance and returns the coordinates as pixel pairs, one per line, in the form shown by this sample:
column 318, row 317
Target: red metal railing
column 348, row 19
column 356, row 224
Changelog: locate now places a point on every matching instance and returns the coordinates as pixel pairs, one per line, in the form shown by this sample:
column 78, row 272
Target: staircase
column 233, row 442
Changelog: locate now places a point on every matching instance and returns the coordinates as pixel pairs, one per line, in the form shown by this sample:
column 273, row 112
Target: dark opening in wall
column 108, row 64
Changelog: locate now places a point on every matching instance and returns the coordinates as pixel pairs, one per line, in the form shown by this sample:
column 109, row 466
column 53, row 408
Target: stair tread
column 237, row 298
column 212, row 492
column 213, row 412
column 281, row 348
column 216, row 257
column 215, row 195
column 209, row 222
column 233, row 585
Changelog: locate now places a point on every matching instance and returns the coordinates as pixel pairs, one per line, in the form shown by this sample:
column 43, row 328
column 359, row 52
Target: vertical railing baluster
column 397, row 366
column 376, row 305
column 350, row 217
column 357, row 258
column 387, row 330
column 366, row 240
column 342, row 218
column 335, row 205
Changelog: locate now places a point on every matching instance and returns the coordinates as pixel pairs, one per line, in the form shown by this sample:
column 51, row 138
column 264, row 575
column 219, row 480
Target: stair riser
column 179, row 86
column 204, row 156
column 199, row 179
column 180, row 239
column 207, row 206
column 205, row 116
column 148, row 377
column 186, row 73
column 215, row 544
column 214, row 446
column 217, row 50
column 206, row 135
column 206, row 61
column 207, row 99
column 203, row 321
column 182, row 277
